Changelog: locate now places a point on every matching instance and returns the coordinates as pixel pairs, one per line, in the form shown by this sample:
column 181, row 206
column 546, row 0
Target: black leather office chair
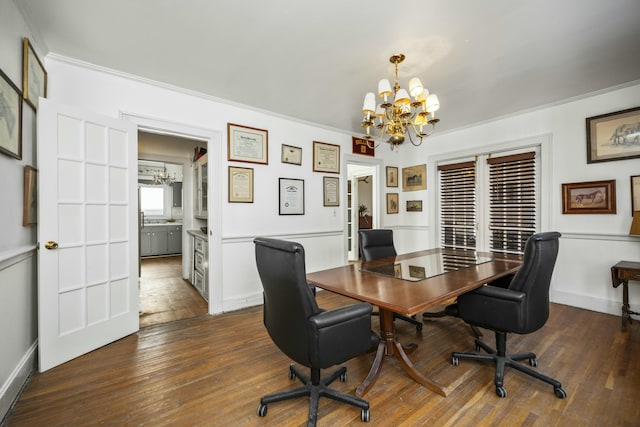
column 310, row 336
column 521, row 308
column 378, row 243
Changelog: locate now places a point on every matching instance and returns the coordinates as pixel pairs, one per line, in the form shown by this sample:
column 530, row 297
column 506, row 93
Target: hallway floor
column 164, row 295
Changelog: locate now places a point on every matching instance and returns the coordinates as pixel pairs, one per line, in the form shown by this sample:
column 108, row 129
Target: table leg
column 389, row 346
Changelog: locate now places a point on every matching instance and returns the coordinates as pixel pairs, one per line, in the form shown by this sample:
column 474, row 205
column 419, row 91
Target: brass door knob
column 51, row 245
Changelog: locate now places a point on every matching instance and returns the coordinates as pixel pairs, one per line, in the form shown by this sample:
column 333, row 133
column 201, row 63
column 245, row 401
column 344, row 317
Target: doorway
column 166, row 292
column 362, row 203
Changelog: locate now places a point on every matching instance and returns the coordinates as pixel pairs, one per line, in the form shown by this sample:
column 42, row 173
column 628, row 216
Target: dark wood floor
column 164, row 295
column 212, row 370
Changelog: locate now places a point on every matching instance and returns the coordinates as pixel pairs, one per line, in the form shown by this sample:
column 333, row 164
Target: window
column 490, row 203
column 152, row 200
column 458, row 217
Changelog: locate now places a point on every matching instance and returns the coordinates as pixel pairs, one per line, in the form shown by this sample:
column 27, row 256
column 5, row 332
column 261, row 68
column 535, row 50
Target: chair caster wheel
column 501, row 391
column 477, row 347
column 560, row 393
column 533, row 362
column 343, row 377
column 365, row 415
column 292, row 375
column 262, row 410
column 455, row 361
column 419, row 328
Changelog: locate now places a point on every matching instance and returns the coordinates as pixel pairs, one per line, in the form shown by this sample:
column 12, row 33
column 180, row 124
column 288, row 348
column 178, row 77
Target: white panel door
column 87, row 204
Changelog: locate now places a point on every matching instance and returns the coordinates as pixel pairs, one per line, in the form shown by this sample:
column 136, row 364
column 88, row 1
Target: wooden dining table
column 409, row 284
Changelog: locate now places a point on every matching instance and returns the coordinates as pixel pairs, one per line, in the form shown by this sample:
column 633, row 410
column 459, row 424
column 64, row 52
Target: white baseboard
column 242, row 302
column 13, row 386
column 588, row 303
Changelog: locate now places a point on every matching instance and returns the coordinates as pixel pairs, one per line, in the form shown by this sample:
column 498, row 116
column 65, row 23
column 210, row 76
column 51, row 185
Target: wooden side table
column 621, row 273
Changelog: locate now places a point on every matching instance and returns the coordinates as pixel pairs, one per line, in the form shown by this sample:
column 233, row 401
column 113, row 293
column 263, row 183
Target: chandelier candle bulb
column 400, row 118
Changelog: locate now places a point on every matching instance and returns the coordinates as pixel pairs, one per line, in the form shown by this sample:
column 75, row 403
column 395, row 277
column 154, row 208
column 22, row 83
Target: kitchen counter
column 161, row 224
column 198, row 233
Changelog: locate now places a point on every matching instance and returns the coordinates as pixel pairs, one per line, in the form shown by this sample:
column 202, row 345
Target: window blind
column 458, row 205
column 512, row 201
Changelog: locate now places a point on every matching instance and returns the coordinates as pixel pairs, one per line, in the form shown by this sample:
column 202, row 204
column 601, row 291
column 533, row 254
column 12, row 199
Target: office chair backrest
column 288, row 299
column 376, row 244
column 534, row 278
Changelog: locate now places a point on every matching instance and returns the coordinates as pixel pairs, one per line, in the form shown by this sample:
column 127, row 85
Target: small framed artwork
column 331, row 191
column 34, row 76
column 247, row 144
column 613, row 136
column 30, row 199
column 417, row 272
column 635, row 194
column 397, row 270
column 414, row 205
column 291, row 154
column 240, row 185
column 291, row 196
column 596, row 197
column 361, row 146
column 392, row 203
column 392, row 176
column 10, row 118
column 326, row 157
column 414, row 178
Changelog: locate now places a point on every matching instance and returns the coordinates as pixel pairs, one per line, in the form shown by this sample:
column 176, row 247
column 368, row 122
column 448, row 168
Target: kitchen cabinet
column 174, row 239
column 162, row 239
column 176, row 190
column 200, row 188
column 200, row 267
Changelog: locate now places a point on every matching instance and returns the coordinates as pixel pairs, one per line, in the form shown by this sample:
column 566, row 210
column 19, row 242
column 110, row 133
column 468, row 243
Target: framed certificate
column 291, row 196
column 246, row 144
column 331, row 191
column 326, row 157
column 291, row 154
column 240, row 185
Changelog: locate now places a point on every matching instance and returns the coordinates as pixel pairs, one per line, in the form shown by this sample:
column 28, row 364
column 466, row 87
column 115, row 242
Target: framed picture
column 331, row 191
column 291, row 196
column 34, row 76
column 414, row 178
column 291, row 154
column 246, row 144
column 10, row 118
column 596, row 197
column 240, row 185
column 635, row 194
column 30, row 199
column 392, row 176
column 392, row 203
column 414, row 205
column 360, row 146
column 326, row 157
column 613, row 136
column 417, row 272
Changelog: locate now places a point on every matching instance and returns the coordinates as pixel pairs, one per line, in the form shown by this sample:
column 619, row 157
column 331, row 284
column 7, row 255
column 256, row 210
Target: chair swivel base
column 315, row 390
column 502, row 360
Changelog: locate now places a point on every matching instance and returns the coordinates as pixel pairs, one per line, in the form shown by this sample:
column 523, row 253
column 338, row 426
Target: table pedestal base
column 389, row 346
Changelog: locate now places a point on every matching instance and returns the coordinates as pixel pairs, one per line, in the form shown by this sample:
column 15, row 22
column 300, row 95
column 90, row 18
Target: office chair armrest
column 493, row 308
column 338, row 335
column 341, row 315
column 499, row 293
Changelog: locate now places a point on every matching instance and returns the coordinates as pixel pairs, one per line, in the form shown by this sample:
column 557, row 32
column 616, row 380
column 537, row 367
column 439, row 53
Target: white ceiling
column 315, row 60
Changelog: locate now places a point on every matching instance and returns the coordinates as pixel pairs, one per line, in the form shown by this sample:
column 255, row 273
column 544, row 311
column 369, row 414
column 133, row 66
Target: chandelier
column 162, row 177
column 400, row 117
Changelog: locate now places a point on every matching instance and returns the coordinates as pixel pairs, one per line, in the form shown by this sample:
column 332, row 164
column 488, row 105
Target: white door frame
column 213, row 138
column 376, row 194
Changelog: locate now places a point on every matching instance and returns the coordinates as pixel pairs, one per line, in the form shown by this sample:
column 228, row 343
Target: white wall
column 17, row 246
column 591, row 244
column 322, row 227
